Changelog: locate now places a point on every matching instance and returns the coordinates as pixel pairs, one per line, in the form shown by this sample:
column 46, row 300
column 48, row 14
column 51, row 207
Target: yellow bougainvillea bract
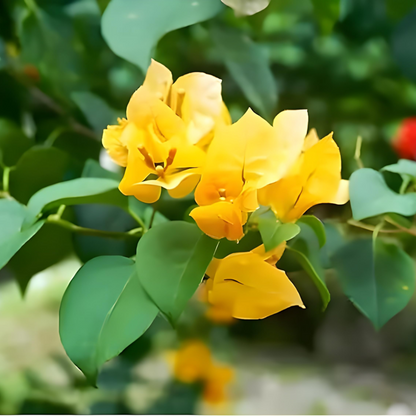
column 179, row 136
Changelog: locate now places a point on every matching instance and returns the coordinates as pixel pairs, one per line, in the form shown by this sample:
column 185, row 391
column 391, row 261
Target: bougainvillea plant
column 211, row 204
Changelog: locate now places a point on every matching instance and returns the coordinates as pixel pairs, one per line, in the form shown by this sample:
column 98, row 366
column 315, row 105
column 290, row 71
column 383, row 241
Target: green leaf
column 47, row 247
column 247, row 7
column 317, row 227
column 306, row 249
column 402, row 167
column 171, row 261
column 379, row 281
column 403, row 45
column 12, row 238
column 97, row 112
column 13, row 143
column 92, row 169
column 132, row 28
column 327, row 12
column 249, row 242
column 37, row 168
column 249, row 65
column 77, row 191
column 104, row 310
column 273, row 232
column 370, row 196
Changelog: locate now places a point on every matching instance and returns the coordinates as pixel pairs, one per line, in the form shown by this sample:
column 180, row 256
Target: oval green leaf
column 12, row 237
column 380, row 280
column 370, row 196
column 104, row 310
column 402, row 167
column 317, row 227
column 77, row 191
column 132, row 28
column 247, row 7
column 171, row 262
column 273, row 232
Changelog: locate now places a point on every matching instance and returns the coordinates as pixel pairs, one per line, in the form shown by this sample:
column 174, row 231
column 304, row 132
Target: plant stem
column 410, row 231
column 55, row 219
column 357, row 154
column 369, row 227
column 152, row 218
column 6, row 179
column 139, row 221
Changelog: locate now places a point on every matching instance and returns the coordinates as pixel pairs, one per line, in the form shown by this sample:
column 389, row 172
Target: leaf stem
column 139, row 220
column 369, row 227
column 55, row 219
column 411, row 231
column 357, row 154
column 6, row 179
column 152, row 218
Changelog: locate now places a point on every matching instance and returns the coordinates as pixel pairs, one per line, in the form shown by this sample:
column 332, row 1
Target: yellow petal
column 215, row 386
column 219, row 220
column 185, row 187
column 343, row 193
column 193, row 362
column 318, row 181
column 251, row 288
column 116, row 138
column 196, row 98
column 310, row 140
column 272, row 256
column 158, row 80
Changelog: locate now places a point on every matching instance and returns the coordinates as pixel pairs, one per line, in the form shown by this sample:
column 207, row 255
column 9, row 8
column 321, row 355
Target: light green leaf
column 317, row 227
column 97, row 112
column 402, row 167
column 104, row 310
column 132, row 28
column 12, row 238
column 247, row 7
column 171, row 261
column 75, row 192
column 249, row 65
column 92, row 169
column 379, row 278
column 327, row 12
column 273, row 232
column 370, row 196
column 306, row 250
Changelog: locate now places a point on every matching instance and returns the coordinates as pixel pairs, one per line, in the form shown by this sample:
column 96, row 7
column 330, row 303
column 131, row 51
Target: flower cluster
column 193, row 363
column 179, row 136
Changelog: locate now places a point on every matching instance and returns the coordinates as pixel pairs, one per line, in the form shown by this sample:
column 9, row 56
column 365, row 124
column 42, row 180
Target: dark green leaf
column 47, row 247
column 12, row 238
column 171, row 261
column 97, row 112
column 132, row 28
column 327, row 12
column 103, row 311
column 403, row 45
column 13, row 143
column 273, row 232
column 37, row 168
column 249, row 65
column 317, row 227
column 370, row 196
column 249, row 242
column 379, row 278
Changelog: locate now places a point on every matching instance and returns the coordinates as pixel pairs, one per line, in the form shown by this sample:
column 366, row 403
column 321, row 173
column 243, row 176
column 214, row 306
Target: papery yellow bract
column 314, row 179
column 168, row 127
column 242, row 158
column 249, row 286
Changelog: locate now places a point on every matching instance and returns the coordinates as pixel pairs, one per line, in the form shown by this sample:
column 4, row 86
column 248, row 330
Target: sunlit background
column 357, row 79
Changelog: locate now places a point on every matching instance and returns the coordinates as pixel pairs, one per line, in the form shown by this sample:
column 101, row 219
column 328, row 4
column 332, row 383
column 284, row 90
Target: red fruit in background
column 405, row 141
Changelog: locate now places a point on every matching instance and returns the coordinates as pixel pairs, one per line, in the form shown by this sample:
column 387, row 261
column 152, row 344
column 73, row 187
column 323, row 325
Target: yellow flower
column 242, row 158
column 168, row 127
column 249, row 286
column 193, row 363
column 314, row 179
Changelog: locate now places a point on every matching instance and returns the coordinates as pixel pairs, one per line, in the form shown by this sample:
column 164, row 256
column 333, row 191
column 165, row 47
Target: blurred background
column 60, row 85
